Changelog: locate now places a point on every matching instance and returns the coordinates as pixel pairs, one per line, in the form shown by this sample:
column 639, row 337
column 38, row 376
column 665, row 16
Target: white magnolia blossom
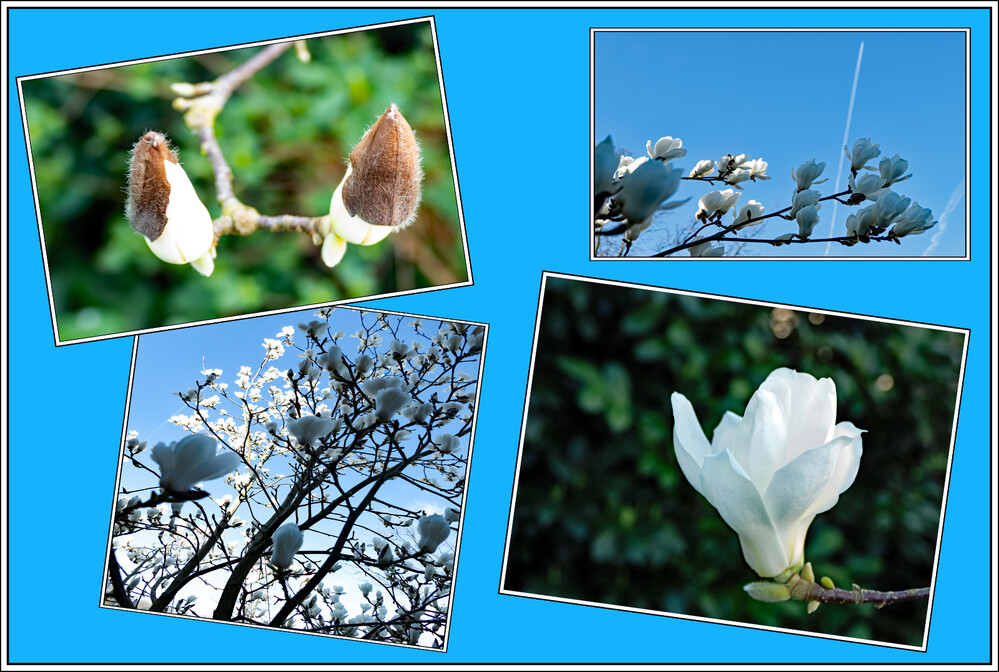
column 807, row 218
column 749, row 215
column 892, row 169
column 192, row 460
column 703, row 168
column 739, row 175
column 706, row 249
column 666, row 149
column 772, row 471
column 287, row 541
column 803, row 199
column 758, row 169
column 434, row 531
column 447, row 443
column 914, row 220
column 389, row 401
column 860, row 222
column 716, row 202
column 310, row 429
column 645, row 189
column 807, row 173
column 871, row 187
column 890, row 207
column 629, row 164
column 729, row 162
column 863, row 152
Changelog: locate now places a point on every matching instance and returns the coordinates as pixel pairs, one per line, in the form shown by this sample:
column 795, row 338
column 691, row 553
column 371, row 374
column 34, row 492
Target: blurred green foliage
column 604, row 514
column 286, row 134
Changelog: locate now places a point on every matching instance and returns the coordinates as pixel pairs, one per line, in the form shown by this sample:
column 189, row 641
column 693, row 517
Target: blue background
column 517, row 87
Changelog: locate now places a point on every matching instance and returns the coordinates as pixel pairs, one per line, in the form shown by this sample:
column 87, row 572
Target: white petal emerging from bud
column 163, row 206
column 381, row 190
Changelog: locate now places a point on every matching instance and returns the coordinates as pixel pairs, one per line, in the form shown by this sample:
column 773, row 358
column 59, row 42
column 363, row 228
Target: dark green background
column 604, row 514
column 286, row 134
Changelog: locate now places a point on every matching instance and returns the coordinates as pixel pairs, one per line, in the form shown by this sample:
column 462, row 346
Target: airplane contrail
column 846, row 134
column 952, row 203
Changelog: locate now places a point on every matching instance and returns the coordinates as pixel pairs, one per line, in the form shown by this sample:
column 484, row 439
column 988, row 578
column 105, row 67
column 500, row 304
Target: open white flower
column 666, row 148
column 863, row 152
column 185, row 463
column 310, row 429
column 716, row 201
column 772, row 471
column 287, row 541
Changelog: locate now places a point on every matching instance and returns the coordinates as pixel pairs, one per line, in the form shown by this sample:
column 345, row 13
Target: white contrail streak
column 955, row 199
column 846, row 134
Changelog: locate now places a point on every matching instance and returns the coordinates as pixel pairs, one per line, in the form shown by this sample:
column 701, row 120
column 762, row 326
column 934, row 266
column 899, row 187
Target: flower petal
column 727, row 486
column 689, row 442
column 761, row 441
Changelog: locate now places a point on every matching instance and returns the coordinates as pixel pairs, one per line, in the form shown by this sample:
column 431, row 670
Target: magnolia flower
column 716, row 201
column 389, row 401
column 190, row 461
column 451, row 514
column 447, row 443
column 914, row 220
column 859, row 223
column 310, row 429
column 703, row 168
column 644, row 189
column 803, row 199
column 750, row 211
column 807, row 218
column 729, row 163
column 604, row 164
column 868, row 187
column 771, row 472
column 287, row 540
column 891, row 169
column 806, row 173
column 380, row 192
column 739, row 175
column 706, row 249
column 758, row 169
column 385, row 555
column 628, row 164
column 666, row 148
column 863, row 151
column 890, row 207
column 434, row 531
column 163, row 206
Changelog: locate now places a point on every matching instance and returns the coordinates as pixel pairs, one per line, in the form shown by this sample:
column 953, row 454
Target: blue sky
column 784, row 96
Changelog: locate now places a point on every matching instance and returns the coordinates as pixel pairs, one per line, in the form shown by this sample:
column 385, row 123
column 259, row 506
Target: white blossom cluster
column 629, row 192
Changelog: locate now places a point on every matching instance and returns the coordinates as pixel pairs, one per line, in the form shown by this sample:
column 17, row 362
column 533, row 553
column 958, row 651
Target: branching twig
column 203, row 102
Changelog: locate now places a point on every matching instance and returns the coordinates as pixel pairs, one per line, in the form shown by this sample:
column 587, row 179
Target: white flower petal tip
column 772, row 471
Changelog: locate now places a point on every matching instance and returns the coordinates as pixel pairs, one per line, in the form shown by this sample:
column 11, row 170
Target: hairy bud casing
column 163, row 206
column 380, row 192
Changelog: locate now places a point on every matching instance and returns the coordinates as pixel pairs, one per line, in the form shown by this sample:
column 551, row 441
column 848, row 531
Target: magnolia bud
column 381, row 190
column 767, row 591
column 163, row 206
